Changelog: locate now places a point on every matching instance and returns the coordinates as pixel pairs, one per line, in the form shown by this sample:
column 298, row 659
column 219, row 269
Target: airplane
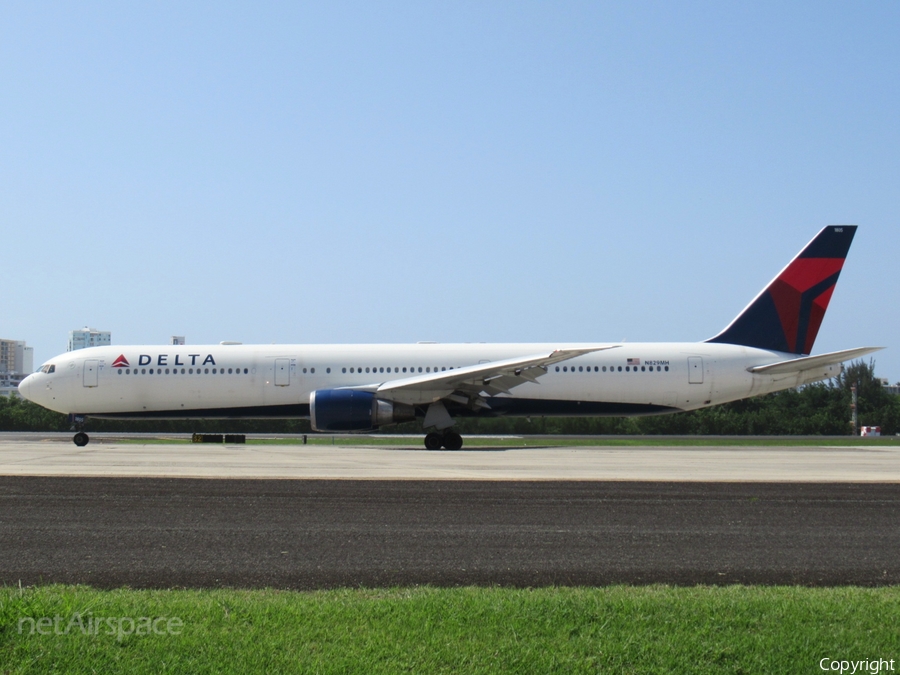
column 363, row 387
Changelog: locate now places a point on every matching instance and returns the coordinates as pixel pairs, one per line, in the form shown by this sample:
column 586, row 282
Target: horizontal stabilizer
column 810, row 362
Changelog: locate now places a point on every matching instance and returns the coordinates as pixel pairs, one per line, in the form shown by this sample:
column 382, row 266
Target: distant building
column 892, row 388
column 16, row 357
column 16, row 363
column 178, row 339
column 88, row 337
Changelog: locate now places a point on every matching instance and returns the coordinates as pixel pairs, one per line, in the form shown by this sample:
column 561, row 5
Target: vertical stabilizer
column 786, row 315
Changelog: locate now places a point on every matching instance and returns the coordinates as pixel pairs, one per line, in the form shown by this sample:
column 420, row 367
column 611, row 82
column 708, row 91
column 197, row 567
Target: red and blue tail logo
column 786, row 316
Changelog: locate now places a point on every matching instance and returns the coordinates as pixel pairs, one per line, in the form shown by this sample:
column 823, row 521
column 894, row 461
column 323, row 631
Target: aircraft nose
column 25, row 387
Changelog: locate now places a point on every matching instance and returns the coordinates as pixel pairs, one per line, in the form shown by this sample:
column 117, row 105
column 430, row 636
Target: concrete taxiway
column 36, row 455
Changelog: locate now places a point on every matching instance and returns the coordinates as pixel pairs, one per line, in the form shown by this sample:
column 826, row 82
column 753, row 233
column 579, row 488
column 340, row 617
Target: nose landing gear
column 80, row 439
column 448, row 439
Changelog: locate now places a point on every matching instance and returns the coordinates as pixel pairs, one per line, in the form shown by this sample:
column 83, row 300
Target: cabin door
column 91, row 366
column 695, row 369
column 282, row 372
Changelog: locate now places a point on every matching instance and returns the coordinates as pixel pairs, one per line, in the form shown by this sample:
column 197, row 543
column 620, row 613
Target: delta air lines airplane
column 346, row 388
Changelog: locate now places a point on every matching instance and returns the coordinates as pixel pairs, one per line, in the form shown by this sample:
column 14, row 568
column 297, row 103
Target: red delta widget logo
column 163, row 360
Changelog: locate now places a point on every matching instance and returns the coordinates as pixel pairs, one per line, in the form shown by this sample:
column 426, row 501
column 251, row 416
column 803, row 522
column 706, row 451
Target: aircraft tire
column 452, row 441
column 433, row 441
column 81, row 439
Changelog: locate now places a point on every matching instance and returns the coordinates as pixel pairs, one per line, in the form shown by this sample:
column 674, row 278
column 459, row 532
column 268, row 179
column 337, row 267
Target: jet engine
column 351, row 410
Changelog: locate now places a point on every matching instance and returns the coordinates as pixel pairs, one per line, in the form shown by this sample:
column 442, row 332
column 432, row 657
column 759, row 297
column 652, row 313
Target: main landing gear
column 80, row 439
column 448, row 439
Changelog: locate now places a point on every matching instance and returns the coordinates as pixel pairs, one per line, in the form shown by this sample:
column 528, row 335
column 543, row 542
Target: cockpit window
column 48, row 368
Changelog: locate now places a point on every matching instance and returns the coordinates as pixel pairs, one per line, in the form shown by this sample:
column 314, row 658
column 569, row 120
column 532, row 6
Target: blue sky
column 393, row 172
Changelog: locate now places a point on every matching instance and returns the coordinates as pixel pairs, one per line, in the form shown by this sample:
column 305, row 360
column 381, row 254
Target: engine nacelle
column 351, row 410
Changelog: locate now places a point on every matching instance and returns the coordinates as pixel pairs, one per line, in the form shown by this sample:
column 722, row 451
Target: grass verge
column 620, row 629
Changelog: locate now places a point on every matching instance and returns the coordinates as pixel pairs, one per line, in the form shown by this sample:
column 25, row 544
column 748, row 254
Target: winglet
column 786, row 315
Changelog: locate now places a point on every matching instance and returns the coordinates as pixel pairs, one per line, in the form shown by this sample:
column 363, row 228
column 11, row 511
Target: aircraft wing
column 469, row 384
column 810, row 362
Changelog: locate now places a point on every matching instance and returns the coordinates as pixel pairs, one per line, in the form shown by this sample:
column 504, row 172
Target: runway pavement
column 151, row 532
column 36, row 455
column 148, row 515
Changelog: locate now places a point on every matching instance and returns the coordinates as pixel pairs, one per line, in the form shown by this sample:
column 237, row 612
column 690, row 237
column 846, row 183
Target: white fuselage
column 277, row 380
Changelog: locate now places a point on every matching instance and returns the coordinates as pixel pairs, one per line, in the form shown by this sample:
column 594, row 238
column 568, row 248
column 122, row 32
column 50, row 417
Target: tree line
column 817, row 409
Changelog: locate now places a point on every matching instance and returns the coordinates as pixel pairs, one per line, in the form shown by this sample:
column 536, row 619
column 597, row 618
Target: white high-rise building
column 88, row 337
column 178, row 339
column 16, row 363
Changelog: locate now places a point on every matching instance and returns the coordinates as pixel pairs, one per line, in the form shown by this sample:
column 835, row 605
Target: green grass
column 655, row 629
column 552, row 441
